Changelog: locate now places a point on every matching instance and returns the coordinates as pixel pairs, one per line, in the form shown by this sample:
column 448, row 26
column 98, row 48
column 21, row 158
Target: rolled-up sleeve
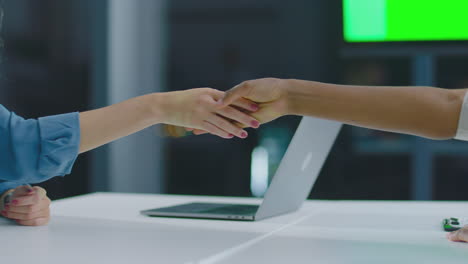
column 33, row 150
column 462, row 131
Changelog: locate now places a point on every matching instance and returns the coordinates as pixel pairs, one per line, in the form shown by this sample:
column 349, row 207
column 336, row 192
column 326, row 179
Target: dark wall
column 219, row 43
column 222, row 43
column 45, row 68
column 48, row 57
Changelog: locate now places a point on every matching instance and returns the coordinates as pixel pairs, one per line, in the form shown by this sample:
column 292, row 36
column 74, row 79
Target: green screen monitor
column 405, row 20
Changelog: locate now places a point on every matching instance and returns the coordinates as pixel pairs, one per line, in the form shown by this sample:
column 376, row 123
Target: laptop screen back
column 300, row 167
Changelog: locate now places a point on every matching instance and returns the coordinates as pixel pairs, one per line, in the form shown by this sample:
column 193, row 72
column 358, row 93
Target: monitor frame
column 399, row 48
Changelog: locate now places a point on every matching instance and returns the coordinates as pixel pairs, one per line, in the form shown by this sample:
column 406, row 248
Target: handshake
column 227, row 114
column 422, row 111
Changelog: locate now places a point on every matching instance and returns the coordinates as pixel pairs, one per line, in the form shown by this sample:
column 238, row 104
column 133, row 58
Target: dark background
column 48, row 58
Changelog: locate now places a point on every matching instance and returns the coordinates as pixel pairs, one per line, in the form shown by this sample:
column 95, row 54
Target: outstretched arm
column 195, row 108
column 40, row 149
column 422, row 111
column 36, row 150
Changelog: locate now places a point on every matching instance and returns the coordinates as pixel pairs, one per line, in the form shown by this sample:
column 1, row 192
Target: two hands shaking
column 267, row 100
column 199, row 109
column 276, row 97
column 422, row 111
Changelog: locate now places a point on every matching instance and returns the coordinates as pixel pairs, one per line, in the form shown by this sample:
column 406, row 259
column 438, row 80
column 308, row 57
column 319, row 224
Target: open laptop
column 289, row 187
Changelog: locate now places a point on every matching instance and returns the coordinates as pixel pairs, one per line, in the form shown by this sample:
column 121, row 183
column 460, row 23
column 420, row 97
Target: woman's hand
column 269, row 93
column 460, row 235
column 195, row 108
column 28, row 207
column 199, row 110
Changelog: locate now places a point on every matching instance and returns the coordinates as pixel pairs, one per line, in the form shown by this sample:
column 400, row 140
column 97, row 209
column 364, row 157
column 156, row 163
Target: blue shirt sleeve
column 33, row 151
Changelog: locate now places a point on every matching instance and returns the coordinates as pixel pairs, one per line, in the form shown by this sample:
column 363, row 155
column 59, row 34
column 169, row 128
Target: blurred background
column 75, row 55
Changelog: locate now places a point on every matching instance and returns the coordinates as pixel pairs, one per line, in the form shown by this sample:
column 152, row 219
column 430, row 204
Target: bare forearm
column 423, row 111
column 101, row 126
column 195, row 108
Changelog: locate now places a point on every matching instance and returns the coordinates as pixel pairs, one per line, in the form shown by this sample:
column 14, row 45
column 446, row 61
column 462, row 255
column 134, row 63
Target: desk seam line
column 216, row 258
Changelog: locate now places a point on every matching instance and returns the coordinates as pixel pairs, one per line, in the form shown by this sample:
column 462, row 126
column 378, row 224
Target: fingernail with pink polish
column 255, row 123
column 14, row 202
column 254, row 107
column 7, row 207
column 244, row 135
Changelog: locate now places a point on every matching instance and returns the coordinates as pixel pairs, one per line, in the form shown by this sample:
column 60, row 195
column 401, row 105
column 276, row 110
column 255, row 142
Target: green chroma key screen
column 405, row 20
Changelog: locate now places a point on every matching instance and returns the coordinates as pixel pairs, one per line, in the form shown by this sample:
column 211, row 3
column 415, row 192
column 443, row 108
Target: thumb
column 239, row 91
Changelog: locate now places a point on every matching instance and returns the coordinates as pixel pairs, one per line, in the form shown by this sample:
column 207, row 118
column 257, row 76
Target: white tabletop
column 107, row 228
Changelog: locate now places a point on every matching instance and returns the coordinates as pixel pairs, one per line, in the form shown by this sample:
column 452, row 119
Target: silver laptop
column 289, row 187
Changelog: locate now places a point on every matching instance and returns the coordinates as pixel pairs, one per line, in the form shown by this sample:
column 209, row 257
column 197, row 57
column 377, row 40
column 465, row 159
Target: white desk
column 107, row 228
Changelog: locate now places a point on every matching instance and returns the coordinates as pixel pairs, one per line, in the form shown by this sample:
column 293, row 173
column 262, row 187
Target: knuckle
column 236, row 112
column 211, row 129
column 230, row 93
column 228, row 126
column 243, row 102
column 205, row 89
column 28, row 216
column 199, row 100
column 246, row 85
column 221, row 122
column 244, row 120
column 202, row 99
column 247, row 120
column 209, row 90
column 200, row 109
column 238, row 131
column 230, row 111
column 205, row 125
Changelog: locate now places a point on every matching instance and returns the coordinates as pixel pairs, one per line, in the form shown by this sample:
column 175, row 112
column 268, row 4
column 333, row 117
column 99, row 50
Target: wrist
column 154, row 103
column 168, row 107
column 290, row 95
column 299, row 94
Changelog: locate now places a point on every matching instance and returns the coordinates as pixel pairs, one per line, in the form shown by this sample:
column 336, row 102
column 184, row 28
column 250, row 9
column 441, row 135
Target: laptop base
column 239, row 212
